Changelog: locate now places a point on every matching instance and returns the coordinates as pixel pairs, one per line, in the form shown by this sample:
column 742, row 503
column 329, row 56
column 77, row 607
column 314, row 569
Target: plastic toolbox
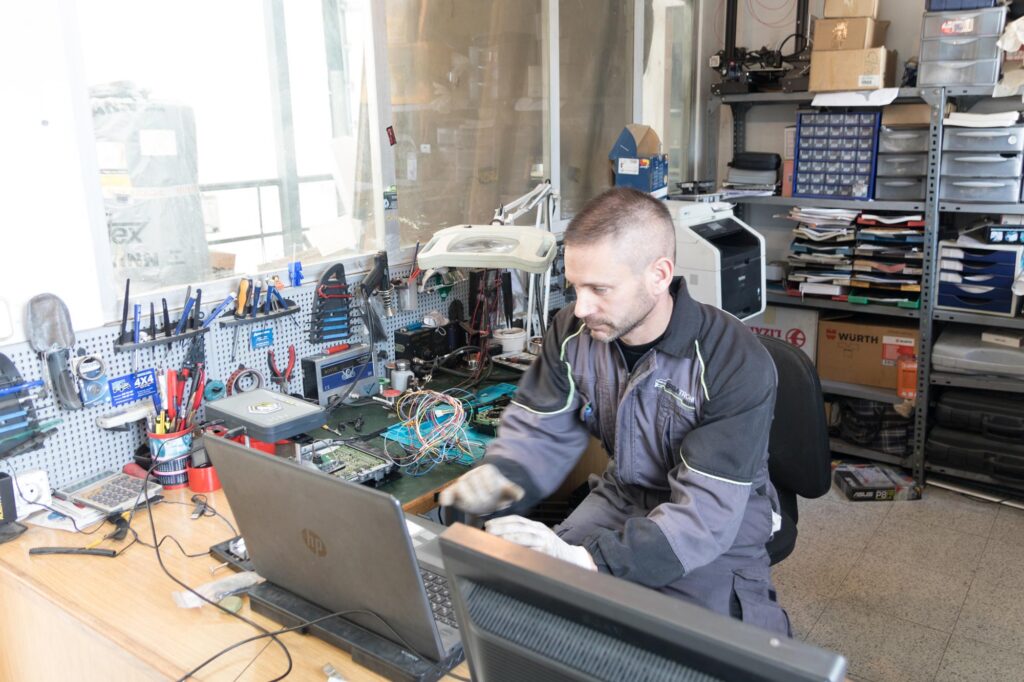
column 836, row 154
column 992, row 413
column 996, row 190
column 963, row 24
column 899, row 189
column 959, row 350
column 968, row 165
column 959, row 49
column 970, row 72
column 1008, row 140
column 902, row 140
column 997, row 458
column 902, row 165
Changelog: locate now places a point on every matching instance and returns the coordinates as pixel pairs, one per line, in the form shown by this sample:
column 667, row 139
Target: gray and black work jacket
column 689, row 424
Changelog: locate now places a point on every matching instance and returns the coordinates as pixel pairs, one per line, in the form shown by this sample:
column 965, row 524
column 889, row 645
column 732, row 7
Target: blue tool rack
column 836, row 154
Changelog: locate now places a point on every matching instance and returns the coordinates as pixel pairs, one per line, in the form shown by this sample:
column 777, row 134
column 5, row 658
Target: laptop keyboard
column 440, row 597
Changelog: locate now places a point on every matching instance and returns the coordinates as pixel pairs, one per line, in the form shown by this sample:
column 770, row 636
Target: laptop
column 342, row 546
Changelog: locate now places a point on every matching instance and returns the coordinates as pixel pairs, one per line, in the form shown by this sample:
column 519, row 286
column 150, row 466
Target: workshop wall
column 79, row 447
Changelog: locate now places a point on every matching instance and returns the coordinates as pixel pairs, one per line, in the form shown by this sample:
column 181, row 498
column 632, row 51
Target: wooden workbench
column 97, row 618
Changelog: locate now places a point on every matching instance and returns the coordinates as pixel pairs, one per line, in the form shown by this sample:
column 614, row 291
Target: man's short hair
column 637, row 222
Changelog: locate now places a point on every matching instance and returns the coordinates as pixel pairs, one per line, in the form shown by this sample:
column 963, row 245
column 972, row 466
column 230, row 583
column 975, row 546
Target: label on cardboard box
column 629, row 166
column 891, row 348
column 795, row 326
column 869, row 80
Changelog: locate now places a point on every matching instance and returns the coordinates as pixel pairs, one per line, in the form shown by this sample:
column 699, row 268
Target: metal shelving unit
column 842, row 447
column 981, row 209
column 936, row 99
column 926, row 315
column 852, row 204
column 985, row 383
column 776, row 298
column 882, row 395
column 974, row 318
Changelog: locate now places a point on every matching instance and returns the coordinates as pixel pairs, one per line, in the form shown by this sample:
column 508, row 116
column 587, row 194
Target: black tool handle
column 73, row 550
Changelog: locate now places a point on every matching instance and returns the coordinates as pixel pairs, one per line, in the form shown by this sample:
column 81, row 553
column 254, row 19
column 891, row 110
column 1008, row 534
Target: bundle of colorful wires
column 436, row 424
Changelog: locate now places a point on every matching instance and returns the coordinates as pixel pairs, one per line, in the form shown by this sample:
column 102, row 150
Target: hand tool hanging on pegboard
column 331, row 314
column 51, row 335
column 20, row 427
column 377, row 281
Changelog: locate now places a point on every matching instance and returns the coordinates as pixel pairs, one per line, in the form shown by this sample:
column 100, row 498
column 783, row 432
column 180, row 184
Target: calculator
column 110, row 491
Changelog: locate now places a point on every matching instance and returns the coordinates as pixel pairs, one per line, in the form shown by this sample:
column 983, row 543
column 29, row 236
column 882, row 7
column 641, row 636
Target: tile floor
column 925, row 590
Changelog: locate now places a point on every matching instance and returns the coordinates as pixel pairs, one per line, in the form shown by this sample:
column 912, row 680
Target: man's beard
column 612, row 331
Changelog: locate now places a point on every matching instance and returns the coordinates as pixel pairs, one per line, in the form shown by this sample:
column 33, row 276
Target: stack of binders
column 888, row 260
column 821, row 254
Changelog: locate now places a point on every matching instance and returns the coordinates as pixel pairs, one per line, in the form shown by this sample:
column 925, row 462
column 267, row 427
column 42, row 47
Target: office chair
column 799, row 455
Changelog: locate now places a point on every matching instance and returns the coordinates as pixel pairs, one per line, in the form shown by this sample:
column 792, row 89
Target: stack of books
column 821, row 254
column 888, row 260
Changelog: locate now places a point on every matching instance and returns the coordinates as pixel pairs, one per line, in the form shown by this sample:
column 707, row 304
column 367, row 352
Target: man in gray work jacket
column 680, row 394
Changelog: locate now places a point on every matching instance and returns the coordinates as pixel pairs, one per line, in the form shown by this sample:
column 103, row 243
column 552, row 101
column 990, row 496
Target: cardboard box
column 787, row 177
column 797, row 326
column 843, row 70
column 637, row 160
column 895, row 115
column 875, row 483
column 1011, row 338
column 861, row 351
column 849, row 33
column 850, row 8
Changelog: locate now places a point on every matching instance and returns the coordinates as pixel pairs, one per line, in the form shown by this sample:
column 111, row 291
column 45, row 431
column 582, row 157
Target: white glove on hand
column 481, row 491
column 539, row 537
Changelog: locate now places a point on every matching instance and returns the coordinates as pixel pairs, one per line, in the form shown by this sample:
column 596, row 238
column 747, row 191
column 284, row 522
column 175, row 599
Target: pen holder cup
column 170, row 452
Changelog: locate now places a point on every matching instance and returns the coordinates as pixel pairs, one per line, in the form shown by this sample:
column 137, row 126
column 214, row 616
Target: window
column 232, row 137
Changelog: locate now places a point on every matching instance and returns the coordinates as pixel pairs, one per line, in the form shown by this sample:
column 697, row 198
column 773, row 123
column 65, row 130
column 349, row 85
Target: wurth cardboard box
column 797, row 326
column 861, row 351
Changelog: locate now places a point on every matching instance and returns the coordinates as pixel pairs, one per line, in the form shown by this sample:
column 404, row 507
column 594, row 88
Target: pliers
column 282, row 379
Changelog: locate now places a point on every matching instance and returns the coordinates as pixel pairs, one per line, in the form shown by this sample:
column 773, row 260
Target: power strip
column 31, row 492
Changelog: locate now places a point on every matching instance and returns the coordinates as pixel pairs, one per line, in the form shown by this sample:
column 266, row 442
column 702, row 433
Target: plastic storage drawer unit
column 968, row 165
column 959, row 49
column 902, row 165
column 1003, row 140
column 984, row 22
column 903, row 140
column 996, row 190
column 835, row 154
column 973, row 72
column 899, row 189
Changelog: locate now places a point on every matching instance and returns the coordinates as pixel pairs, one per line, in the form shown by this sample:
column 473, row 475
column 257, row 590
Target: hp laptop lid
column 340, row 545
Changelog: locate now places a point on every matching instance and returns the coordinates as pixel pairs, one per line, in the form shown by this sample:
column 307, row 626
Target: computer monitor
column 526, row 616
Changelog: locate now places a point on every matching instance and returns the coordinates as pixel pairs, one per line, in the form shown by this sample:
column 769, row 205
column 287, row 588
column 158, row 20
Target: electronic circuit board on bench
column 351, row 461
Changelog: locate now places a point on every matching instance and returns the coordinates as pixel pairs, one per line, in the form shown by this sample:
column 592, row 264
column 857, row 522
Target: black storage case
column 1000, row 459
column 1000, row 415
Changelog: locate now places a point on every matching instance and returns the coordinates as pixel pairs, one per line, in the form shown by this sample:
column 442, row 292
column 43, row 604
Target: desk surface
column 116, row 619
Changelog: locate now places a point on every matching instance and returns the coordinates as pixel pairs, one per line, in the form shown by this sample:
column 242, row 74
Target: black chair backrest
column 799, row 455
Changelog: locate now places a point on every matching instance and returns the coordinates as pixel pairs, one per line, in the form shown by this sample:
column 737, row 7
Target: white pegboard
column 79, row 448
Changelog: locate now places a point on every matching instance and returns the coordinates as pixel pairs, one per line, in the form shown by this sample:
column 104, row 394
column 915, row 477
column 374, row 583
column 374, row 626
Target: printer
column 721, row 257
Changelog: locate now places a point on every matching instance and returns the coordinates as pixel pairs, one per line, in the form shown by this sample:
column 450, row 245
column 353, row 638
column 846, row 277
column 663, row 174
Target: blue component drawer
column 977, row 299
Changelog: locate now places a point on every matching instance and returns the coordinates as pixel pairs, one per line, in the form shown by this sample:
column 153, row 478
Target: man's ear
column 661, row 273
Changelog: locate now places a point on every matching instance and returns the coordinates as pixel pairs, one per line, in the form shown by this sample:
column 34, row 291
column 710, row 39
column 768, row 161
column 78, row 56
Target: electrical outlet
column 31, row 492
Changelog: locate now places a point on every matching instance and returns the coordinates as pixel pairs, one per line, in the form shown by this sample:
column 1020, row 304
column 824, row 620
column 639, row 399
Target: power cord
column 306, row 624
